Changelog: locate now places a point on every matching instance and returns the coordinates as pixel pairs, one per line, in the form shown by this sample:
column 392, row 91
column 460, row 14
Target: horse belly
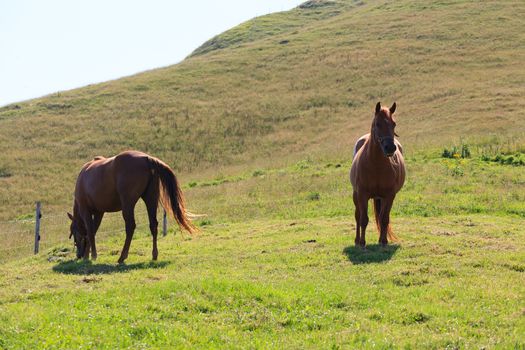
column 378, row 182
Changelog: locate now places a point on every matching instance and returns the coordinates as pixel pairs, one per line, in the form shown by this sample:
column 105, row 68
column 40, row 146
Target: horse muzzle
column 81, row 248
column 389, row 147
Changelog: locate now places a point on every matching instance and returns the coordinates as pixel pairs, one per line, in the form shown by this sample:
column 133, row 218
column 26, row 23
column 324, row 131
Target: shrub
column 515, row 159
column 5, row 172
column 313, row 196
column 456, row 153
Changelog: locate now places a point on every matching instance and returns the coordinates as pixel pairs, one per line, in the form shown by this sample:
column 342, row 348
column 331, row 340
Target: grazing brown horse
column 378, row 172
column 117, row 183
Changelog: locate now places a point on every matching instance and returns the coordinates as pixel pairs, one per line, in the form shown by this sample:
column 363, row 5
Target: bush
column 515, row 159
column 5, row 172
column 456, row 153
column 313, row 196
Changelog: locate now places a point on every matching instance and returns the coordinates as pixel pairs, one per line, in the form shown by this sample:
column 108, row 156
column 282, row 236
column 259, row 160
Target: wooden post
column 164, row 224
column 38, row 215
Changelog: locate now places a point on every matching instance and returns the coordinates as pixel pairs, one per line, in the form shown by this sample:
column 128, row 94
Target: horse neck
column 76, row 212
column 374, row 150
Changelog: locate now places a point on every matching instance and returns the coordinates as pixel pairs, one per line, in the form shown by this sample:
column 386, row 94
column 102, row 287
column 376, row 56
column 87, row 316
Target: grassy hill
column 290, row 85
column 259, row 123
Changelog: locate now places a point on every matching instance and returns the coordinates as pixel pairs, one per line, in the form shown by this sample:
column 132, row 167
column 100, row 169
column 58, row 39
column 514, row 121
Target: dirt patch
column 91, row 279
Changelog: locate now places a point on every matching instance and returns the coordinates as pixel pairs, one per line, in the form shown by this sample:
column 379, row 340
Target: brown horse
column 117, row 183
column 378, row 172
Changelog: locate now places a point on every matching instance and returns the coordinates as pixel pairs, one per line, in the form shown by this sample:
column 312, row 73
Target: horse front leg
column 129, row 218
column 384, row 219
column 357, row 217
column 362, row 200
column 90, row 236
column 97, row 219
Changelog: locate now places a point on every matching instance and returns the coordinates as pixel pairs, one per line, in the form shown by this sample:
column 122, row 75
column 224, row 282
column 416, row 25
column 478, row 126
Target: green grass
column 279, row 283
column 259, row 124
column 275, row 266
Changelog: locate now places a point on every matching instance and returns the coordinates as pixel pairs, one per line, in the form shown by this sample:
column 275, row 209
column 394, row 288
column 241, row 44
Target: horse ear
column 378, row 107
column 393, row 108
column 70, row 217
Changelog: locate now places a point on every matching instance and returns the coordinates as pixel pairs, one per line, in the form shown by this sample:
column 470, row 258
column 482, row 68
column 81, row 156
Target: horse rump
column 171, row 196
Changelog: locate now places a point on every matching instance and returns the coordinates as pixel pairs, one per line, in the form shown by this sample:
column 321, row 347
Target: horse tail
column 392, row 237
column 377, row 211
column 171, row 196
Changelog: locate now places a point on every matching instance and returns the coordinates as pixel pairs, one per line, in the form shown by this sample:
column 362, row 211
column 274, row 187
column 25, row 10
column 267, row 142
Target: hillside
column 288, row 85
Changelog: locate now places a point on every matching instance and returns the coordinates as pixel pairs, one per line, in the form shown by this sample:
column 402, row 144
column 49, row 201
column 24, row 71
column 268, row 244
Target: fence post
column 164, row 224
column 38, row 215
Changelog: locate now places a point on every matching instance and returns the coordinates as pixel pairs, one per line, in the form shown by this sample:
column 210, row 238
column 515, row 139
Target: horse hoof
column 121, row 261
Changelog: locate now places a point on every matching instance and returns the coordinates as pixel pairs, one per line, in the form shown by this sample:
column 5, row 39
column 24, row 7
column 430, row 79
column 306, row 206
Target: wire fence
column 17, row 237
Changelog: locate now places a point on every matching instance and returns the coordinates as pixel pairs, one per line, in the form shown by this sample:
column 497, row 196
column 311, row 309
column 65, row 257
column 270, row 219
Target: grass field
column 453, row 282
column 275, row 266
column 259, row 124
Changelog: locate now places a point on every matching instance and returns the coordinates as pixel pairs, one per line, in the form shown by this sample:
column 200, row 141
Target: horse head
column 383, row 129
column 78, row 234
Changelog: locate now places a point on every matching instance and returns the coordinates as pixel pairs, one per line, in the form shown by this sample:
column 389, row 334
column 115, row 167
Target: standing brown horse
column 378, row 172
column 117, row 183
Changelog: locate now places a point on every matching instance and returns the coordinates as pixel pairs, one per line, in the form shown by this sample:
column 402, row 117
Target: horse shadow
column 82, row 267
column 373, row 253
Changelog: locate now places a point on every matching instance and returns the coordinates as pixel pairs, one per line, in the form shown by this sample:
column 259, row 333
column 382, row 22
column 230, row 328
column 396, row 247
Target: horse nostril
column 390, row 149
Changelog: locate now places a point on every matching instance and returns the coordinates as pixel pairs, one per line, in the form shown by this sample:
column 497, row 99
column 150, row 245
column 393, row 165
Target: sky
column 56, row 45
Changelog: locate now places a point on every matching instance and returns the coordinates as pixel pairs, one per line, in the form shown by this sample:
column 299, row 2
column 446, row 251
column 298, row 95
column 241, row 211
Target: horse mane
column 99, row 158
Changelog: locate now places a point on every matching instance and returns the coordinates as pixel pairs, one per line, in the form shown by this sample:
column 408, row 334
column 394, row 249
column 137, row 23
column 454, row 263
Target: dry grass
column 454, row 68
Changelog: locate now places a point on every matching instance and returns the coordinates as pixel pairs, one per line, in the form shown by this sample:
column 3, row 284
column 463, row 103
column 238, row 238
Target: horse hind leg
column 151, row 198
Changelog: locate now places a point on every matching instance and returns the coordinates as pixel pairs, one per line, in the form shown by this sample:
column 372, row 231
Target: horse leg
column 356, row 204
column 97, row 219
column 362, row 200
column 151, row 198
column 128, row 212
column 90, row 235
column 384, row 219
